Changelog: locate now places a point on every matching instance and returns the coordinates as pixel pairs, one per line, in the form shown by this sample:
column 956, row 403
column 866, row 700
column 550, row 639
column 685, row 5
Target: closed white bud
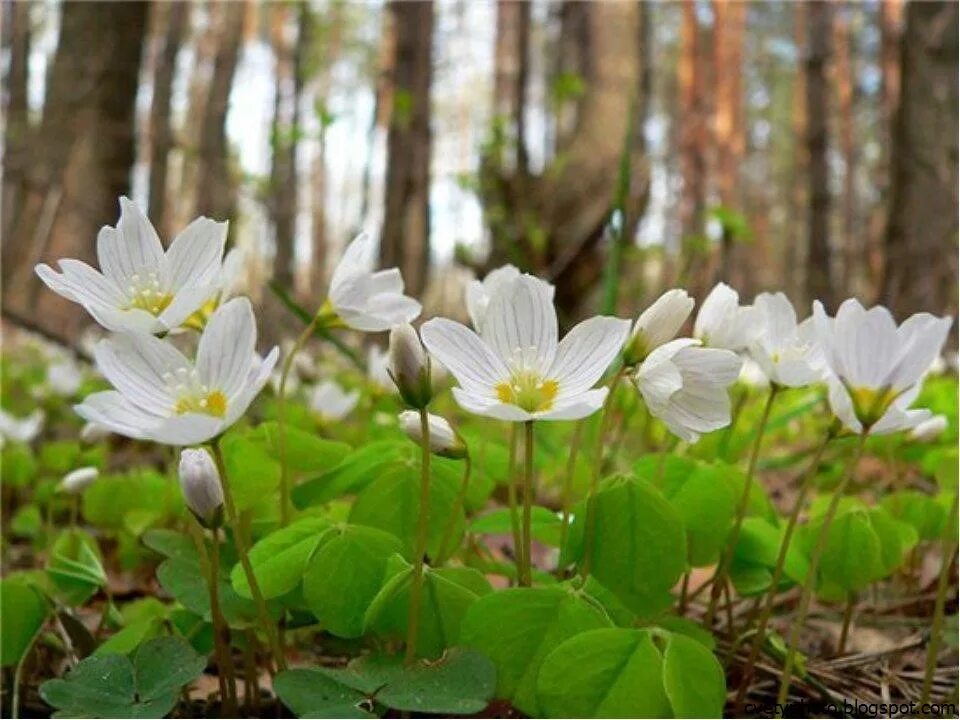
column 444, row 440
column 93, row 432
column 929, row 430
column 658, row 324
column 200, row 483
column 409, row 366
column 76, row 481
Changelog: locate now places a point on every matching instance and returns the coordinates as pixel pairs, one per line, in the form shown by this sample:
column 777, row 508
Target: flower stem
column 595, row 475
column 723, row 567
column 526, row 573
column 943, row 582
column 806, row 592
column 568, row 480
column 221, row 633
column 512, row 498
column 761, row 631
column 457, row 507
column 847, row 620
column 423, row 524
column 282, row 419
column 269, row 627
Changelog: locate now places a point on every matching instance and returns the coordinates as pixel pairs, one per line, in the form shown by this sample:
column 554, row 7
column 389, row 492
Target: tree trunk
column 921, row 240
column 383, row 109
column 819, row 260
column 793, row 271
column 845, row 82
column 17, row 33
column 693, row 134
column 510, row 62
column 405, row 238
column 175, row 17
column 83, row 151
column 216, row 186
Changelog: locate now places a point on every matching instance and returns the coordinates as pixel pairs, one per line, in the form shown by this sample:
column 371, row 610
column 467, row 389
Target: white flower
column 367, row 300
column 162, row 396
column 409, row 366
column 200, row 483
column 94, row 432
column 76, row 481
column 478, row 293
column 786, row 352
column 686, row 386
column 332, row 402
column 444, row 440
column 515, row 369
column 22, row 430
column 875, row 368
column 752, row 375
column 658, row 324
column 723, row 323
column 232, row 277
column 930, row 430
column 142, row 288
column 64, row 377
column 378, row 364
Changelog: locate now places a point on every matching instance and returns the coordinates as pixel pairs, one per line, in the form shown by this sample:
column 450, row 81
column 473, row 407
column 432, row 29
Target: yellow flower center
column 198, row 320
column 211, row 403
column 870, row 404
column 528, row 390
column 145, row 293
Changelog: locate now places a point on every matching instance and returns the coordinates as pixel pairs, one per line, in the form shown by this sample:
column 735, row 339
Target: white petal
column 112, row 410
column 661, row 321
column 922, row 337
column 141, row 367
column 187, row 429
column 490, row 407
column 357, row 258
column 842, row 405
column 575, row 407
column 715, row 309
column 227, row 346
column 867, row 344
column 778, row 317
column 185, row 302
column 257, row 378
column 131, row 247
column 521, row 324
column 464, row 354
column 89, row 286
column 586, row 352
column 195, row 255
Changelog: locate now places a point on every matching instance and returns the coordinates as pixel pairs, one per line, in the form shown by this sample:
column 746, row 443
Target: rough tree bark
column 845, row 76
column 174, row 18
column 16, row 40
column 819, row 281
column 793, row 271
column 510, row 77
column 216, row 186
column 405, row 238
column 82, row 153
column 921, row 240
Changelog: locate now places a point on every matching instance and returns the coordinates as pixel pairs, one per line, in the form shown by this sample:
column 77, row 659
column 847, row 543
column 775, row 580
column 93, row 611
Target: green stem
column 943, row 582
column 595, row 475
column 282, row 420
column 847, row 620
column 457, row 507
column 778, row 569
column 723, row 567
column 512, row 498
column 806, row 592
column 74, row 510
column 18, row 674
column 423, row 524
column 526, row 572
column 269, row 627
column 568, row 481
column 221, row 632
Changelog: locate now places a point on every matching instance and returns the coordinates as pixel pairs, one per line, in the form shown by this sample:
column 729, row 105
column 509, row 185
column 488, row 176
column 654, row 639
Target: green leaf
column 306, row 452
column 756, row 555
column 693, row 679
column 111, row 686
column 313, row 693
column 345, row 574
column 606, row 673
column 279, row 558
column 639, row 545
column 75, row 567
column 132, row 501
column 519, row 627
column 22, row 613
column 444, row 602
column 354, row 473
column 852, row 557
column 545, row 525
column 254, row 473
column 392, row 503
column 920, row 510
column 130, row 637
column 17, row 465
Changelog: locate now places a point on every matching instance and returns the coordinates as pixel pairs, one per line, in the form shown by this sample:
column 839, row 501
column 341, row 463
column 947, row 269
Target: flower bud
column 200, row 483
column 929, row 430
column 444, row 440
column 658, row 324
column 409, row 366
column 76, row 481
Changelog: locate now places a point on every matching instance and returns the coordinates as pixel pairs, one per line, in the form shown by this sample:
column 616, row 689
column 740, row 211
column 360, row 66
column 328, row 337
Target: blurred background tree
column 615, row 148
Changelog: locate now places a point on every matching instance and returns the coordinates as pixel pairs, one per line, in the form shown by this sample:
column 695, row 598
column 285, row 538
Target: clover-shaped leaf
column 114, row 686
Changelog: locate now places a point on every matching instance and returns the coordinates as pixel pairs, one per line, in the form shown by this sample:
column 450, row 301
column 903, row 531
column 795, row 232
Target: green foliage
column 132, row 502
column 75, row 567
column 23, row 612
column 279, row 558
column 116, row 686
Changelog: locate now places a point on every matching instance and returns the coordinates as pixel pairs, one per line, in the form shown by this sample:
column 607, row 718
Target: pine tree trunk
column 405, row 239
column 510, row 62
column 82, row 154
column 921, row 240
column 216, row 186
column 819, row 255
column 175, row 20
column 845, row 82
column 793, row 271
column 17, row 33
